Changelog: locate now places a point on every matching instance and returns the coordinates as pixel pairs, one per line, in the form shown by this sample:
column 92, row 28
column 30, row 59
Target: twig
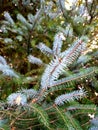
column 17, row 118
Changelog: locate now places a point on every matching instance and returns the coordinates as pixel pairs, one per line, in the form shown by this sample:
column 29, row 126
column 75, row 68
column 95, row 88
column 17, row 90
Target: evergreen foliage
column 52, row 91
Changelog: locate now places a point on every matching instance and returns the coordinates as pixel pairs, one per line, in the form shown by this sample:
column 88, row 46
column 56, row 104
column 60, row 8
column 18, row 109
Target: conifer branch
column 44, row 49
column 34, row 60
column 57, row 65
column 75, row 77
column 70, row 97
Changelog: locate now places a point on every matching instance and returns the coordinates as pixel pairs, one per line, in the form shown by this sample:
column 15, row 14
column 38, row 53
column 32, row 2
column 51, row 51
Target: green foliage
column 30, row 95
column 68, row 120
column 41, row 114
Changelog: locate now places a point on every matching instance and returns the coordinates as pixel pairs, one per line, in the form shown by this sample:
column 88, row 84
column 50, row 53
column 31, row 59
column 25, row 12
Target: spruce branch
column 41, row 114
column 35, row 60
column 75, row 124
column 3, row 61
column 24, row 21
column 29, row 93
column 30, row 108
column 17, row 99
column 58, row 64
column 93, row 128
column 60, row 100
column 69, row 122
column 75, row 77
column 94, row 121
column 44, row 49
column 9, row 18
column 88, row 108
column 7, row 71
column 57, row 44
